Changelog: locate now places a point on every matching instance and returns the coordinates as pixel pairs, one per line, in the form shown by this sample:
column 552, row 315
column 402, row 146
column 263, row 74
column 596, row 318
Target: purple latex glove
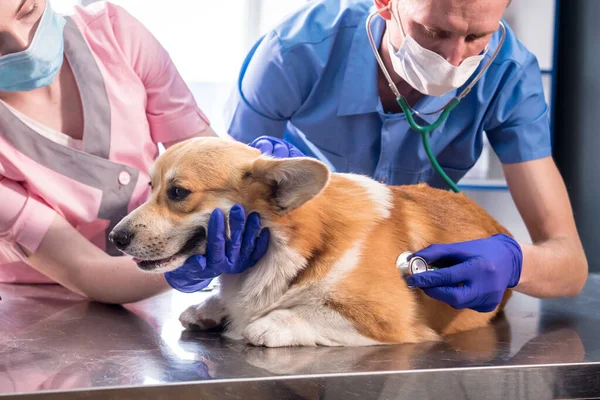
column 275, row 147
column 486, row 267
column 246, row 246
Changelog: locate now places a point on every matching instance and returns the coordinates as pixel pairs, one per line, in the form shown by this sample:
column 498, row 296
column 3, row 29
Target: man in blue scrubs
column 314, row 82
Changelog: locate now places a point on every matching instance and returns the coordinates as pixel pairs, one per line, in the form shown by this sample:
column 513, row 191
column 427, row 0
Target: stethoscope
column 425, row 130
column 415, row 265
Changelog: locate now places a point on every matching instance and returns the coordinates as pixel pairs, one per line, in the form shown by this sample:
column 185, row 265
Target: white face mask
column 427, row 71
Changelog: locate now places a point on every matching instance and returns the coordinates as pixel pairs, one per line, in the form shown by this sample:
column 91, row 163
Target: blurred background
column 211, row 67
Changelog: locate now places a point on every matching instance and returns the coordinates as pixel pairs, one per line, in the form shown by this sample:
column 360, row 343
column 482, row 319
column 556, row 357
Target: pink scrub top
column 133, row 98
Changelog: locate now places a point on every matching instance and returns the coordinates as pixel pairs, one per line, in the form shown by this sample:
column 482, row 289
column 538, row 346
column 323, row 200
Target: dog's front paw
column 204, row 316
column 280, row 328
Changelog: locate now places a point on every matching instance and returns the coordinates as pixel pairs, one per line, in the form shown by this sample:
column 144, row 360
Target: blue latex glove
column 223, row 256
column 485, row 267
column 275, row 147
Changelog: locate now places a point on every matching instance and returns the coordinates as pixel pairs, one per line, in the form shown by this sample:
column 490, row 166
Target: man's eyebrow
column 435, row 28
column 20, row 6
column 432, row 27
column 484, row 33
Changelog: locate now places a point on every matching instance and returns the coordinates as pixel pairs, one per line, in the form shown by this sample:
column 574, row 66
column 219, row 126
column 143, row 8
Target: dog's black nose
column 121, row 239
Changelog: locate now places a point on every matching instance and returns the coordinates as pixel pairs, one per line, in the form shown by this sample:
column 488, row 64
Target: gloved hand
column 275, row 147
column 223, row 256
column 485, row 267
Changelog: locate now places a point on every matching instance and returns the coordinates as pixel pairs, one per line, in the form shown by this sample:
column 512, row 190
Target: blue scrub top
column 313, row 81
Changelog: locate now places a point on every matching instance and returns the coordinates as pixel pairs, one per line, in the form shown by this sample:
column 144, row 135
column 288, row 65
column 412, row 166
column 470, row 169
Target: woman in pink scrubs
column 84, row 101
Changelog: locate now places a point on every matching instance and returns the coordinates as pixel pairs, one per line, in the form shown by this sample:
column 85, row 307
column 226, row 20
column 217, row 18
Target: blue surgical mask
column 38, row 65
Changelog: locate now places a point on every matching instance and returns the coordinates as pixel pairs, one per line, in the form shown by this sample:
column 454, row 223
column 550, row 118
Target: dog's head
column 193, row 178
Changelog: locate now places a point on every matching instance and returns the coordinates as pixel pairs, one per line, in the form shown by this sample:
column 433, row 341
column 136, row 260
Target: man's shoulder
column 513, row 56
column 321, row 20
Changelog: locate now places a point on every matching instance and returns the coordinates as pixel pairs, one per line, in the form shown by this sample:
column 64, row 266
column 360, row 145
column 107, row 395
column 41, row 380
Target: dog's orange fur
column 421, row 216
column 373, row 296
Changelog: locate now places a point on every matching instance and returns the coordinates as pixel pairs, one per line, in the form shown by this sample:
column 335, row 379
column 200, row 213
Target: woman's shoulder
column 103, row 19
column 115, row 35
column 101, row 11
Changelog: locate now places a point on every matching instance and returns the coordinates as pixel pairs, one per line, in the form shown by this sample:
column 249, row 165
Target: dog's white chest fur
column 248, row 295
column 262, row 309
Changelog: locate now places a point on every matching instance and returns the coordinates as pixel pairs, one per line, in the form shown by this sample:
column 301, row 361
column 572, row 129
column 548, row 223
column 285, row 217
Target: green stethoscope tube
column 425, row 131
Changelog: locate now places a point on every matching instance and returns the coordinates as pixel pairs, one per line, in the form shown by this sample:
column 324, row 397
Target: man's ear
column 292, row 181
column 383, row 6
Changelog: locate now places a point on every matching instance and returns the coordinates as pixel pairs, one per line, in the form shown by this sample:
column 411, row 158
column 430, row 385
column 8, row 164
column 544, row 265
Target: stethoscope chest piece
column 416, row 265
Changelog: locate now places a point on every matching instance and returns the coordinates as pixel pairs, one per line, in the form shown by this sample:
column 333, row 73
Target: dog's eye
column 177, row 193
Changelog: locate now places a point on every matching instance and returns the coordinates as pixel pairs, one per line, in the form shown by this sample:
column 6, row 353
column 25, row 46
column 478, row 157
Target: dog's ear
column 292, row 181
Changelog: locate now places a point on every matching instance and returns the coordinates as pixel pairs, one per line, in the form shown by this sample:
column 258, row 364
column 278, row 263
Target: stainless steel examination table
column 54, row 345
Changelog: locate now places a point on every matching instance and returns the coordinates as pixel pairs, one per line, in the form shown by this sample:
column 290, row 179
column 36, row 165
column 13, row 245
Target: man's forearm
column 553, row 268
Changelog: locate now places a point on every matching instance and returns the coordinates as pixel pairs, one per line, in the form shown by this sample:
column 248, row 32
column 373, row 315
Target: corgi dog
column 329, row 276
